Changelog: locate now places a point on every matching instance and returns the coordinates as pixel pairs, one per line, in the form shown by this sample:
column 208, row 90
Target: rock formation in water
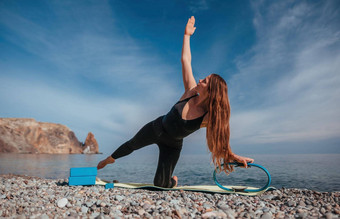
column 29, row 136
column 90, row 145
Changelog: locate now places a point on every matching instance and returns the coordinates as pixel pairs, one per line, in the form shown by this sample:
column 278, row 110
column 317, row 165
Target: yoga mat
column 196, row 188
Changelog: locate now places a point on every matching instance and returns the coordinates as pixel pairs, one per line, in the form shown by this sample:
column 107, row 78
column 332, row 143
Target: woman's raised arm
column 188, row 77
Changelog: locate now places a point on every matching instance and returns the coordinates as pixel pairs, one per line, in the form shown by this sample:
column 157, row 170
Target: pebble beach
column 32, row 197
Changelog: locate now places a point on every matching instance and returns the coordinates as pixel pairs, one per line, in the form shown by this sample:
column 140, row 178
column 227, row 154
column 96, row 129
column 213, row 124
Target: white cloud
column 110, row 57
column 198, row 5
column 77, row 50
column 288, row 85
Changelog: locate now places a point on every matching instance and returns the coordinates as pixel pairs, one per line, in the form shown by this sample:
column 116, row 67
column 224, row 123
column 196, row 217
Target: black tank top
column 177, row 127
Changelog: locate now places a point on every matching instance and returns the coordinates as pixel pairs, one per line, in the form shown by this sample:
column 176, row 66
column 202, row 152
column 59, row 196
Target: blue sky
column 109, row 67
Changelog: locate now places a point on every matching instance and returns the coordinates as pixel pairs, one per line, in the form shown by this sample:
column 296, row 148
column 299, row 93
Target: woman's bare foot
column 103, row 163
column 176, row 180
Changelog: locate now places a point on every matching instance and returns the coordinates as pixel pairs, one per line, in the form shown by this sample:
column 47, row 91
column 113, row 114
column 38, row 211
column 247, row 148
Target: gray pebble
column 44, row 216
column 303, row 214
column 221, row 214
column 39, row 200
column 119, row 198
column 19, row 217
column 100, row 216
column 266, row 216
column 95, row 214
column 222, row 206
column 330, row 216
column 141, row 212
column 207, row 205
column 230, row 213
column 302, row 204
column 174, row 201
column 252, row 214
column 161, row 209
column 209, row 215
column 118, row 212
column 146, row 206
column 291, row 203
column 84, row 209
column 89, row 204
column 242, row 214
column 62, row 202
column 268, row 197
column 265, row 209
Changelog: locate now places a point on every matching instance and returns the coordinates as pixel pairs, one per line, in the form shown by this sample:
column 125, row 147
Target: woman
column 205, row 104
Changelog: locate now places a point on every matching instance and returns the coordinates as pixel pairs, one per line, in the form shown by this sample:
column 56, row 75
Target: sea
column 320, row 172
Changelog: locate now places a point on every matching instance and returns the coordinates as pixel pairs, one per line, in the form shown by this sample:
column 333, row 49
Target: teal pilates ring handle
column 245, row 190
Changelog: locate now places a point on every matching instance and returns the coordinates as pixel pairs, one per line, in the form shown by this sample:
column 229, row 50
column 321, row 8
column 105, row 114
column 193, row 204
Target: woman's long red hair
column 218, row 129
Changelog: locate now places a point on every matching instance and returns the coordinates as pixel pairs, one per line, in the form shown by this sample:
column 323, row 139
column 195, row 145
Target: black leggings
column 169, row 150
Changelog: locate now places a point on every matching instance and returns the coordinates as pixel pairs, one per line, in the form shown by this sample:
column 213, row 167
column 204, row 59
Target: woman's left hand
column 243, row 160
column 190, row 29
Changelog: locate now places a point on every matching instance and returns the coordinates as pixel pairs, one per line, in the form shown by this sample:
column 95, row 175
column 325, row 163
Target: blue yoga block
column 109, row 186
column 81, row 180
column 83, row 171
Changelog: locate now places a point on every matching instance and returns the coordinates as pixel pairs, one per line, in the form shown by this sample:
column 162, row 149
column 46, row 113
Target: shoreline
column 27, row 196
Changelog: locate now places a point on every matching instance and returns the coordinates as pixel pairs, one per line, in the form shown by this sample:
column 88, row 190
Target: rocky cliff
column 30, row 136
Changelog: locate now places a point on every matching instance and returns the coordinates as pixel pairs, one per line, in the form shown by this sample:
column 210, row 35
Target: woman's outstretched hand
column 190, row 29
column 243, row 160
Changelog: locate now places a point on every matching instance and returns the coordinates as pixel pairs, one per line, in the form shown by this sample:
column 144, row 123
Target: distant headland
column 22, row 135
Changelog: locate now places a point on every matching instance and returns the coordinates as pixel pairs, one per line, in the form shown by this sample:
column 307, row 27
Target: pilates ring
column 245, row 189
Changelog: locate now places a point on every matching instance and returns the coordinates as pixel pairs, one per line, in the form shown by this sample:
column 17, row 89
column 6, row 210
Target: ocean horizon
column 304, row 171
